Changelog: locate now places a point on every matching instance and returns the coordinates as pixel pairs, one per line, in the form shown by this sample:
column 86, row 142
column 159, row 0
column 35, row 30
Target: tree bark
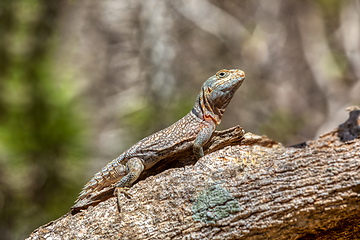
column 252, row 188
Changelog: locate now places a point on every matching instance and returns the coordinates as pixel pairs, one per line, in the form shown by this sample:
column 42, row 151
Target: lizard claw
column 121, row 190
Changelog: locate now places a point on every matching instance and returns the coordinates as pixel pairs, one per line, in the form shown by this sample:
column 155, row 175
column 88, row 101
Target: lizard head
column 216, row 93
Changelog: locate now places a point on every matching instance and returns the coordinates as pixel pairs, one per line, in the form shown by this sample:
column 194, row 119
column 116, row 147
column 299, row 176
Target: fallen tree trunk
column 253, row 188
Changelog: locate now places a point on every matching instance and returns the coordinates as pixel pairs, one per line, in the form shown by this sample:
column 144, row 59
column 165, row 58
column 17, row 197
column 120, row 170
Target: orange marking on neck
column 209, row 117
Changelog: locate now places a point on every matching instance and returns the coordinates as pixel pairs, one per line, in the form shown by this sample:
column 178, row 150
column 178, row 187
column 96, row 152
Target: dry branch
column 254, row 189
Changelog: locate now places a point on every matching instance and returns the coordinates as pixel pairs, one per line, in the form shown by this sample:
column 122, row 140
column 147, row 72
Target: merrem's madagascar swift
column 192, row 131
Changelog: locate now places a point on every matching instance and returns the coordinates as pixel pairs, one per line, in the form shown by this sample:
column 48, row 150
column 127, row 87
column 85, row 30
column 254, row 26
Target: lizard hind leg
column 134, row 168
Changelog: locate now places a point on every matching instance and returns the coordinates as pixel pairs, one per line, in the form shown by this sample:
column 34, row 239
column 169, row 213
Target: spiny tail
column 109, row 175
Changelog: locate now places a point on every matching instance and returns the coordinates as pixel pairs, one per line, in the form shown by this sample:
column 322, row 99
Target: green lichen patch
column 214, row 204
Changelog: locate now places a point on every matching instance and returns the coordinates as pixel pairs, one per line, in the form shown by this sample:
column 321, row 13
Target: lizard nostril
column 241, row 73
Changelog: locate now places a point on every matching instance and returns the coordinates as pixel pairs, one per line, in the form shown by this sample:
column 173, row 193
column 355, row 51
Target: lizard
column 192, row 131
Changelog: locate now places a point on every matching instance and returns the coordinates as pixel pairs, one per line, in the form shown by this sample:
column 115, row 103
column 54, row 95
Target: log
column 246, row 187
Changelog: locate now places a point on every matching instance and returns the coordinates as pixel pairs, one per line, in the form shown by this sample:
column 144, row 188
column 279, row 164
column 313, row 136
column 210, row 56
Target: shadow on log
column 246, row 187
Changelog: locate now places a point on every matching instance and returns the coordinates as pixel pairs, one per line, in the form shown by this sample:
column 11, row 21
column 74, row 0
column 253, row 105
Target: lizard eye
column 222, row 74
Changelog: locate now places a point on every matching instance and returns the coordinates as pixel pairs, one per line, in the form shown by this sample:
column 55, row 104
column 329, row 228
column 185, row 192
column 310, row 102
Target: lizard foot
column 121, row 190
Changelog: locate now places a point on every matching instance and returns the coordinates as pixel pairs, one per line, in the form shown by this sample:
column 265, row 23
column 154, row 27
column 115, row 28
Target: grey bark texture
column 246, row 187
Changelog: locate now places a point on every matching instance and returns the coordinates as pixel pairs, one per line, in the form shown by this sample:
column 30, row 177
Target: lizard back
column 171, row 140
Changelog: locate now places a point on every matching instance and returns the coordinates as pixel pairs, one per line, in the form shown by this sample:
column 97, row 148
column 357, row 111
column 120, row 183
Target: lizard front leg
column 203, row 136
column 134, row 167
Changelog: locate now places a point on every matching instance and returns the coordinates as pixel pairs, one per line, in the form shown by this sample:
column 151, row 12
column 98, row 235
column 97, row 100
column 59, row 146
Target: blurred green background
column 81, row 81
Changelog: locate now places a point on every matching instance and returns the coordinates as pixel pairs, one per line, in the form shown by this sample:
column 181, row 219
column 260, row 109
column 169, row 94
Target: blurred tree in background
column 39, row 126
column 100, row 75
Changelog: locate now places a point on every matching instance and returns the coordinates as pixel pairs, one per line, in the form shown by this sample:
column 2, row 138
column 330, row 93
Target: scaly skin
column 192, row 131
